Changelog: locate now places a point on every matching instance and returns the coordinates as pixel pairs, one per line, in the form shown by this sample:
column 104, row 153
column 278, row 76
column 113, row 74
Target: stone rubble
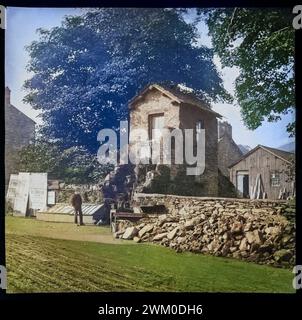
column 260, row 232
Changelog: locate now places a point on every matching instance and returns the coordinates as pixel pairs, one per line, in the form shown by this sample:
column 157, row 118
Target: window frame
column 197, row 122
column 150, row 118
column 275, row 182
column 197, row 129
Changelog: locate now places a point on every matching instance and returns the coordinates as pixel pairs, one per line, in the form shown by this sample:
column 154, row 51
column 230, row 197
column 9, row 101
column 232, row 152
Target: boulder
column 202, row 216
column 226, row 248
column 236, row 228
column 137, row 239
column 266, row 248
column 273, row 231
column 214, row 246
column 173, row 245
column 243, row 245
column 160, row 236
column 212, row 220
column 233, row 249
column 254, row 237
column 247, row 227
column 255, row 247
column 130, row 233
column 181, row 240
column 146, row 229
column 226, row 236
column 140, row 226
column 183, row 211
column 287, row 239
column 171, row 235
column 282, row 255
column 189, row 224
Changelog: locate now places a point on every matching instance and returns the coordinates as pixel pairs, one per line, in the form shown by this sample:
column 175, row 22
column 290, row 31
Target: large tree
column 261, row 43
column 86, row 70
column 73, row 165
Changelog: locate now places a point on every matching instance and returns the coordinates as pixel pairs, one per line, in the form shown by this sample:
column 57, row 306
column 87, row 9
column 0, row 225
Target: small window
column 275, row 179
column 156, row 125
column 199, row 126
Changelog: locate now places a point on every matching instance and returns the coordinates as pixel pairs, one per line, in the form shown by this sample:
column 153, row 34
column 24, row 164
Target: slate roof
column 280, row 153
column 176, row 94
column 283, row 155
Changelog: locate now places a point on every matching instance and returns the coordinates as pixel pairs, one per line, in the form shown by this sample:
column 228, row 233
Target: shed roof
column 283, row 155
column 177, row 95
column 63, row 208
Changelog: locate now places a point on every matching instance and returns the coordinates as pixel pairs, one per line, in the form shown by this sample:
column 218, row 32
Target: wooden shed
column 262, row 173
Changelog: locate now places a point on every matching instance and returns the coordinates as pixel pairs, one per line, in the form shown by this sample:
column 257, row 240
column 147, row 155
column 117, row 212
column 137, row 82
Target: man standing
column 76, row 202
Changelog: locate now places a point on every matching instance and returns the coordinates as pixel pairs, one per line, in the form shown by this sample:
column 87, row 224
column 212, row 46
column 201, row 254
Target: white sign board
column 38, row 191
column 51, row 197
column 11, row 191
column 22, row 192
column 31, row 192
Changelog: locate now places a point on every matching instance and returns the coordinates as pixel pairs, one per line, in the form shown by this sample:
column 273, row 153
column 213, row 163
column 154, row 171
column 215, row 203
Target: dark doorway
column 243, row 183
column 246, row 186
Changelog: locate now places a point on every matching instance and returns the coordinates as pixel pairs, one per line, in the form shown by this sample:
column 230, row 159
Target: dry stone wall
column 260, row 231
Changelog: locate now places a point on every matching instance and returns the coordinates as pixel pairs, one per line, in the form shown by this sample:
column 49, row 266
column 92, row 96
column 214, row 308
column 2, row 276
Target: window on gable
column 198, row 127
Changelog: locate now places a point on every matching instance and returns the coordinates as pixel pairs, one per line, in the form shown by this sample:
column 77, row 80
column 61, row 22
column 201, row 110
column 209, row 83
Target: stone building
column 228, row 150
column 19, row 132
column 163, row 107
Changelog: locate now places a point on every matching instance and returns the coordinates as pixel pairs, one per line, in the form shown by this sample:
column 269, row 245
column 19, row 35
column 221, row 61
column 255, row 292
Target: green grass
column 56, row 230
column 41, row 264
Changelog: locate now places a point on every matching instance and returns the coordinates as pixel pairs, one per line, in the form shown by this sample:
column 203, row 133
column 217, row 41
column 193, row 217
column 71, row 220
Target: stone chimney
column 224, row 128
column 7, row 96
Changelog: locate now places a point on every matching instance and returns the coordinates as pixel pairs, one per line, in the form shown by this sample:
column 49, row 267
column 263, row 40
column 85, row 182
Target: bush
column 73, row 165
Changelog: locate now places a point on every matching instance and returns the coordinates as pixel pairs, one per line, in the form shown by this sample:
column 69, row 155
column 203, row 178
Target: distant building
column 262, row 173
column 244, row 148
column 228, row 151
column 19, row 132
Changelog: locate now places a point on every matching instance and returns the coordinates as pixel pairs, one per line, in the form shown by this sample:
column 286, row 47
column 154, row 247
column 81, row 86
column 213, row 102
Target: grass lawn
column 38, row 263
column 57, row 230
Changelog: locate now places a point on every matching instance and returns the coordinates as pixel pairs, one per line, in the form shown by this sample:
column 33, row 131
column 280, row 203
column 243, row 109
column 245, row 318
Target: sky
column 21, row 31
